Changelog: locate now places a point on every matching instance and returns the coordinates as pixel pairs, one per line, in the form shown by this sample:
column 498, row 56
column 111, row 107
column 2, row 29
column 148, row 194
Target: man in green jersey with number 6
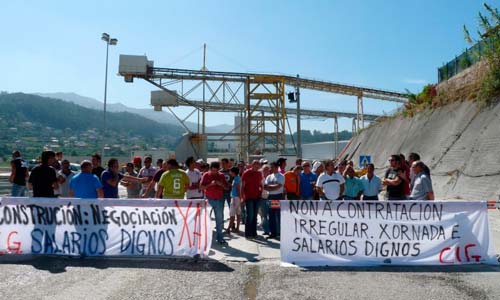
column 173, row 183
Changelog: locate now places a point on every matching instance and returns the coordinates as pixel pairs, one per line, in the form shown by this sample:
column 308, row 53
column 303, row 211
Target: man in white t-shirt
column 274, row 183
column 193, row 191
column 330, row 184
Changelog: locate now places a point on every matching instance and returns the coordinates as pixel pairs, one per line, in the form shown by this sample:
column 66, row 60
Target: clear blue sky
column 55, row 46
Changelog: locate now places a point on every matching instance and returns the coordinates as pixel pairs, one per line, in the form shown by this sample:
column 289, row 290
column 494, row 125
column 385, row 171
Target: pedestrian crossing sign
column 364, row 160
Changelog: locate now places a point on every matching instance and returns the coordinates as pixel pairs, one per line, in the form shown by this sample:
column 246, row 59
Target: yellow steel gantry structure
column 262, row 109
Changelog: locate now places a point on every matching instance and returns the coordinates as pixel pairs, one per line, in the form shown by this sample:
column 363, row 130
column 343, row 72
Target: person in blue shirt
column 372, row 184
column 85, row 184
column 235, row 208
column 110, row 179
column 307, row 182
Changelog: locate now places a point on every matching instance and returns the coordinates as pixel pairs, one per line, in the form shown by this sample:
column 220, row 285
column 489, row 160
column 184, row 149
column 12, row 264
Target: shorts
column 235, row 207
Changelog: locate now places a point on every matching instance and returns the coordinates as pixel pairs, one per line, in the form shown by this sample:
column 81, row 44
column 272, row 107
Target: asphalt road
column 243, row 270
column 61, row 278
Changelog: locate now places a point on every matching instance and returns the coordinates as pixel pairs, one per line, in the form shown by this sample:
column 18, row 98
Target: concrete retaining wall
column 459, row 142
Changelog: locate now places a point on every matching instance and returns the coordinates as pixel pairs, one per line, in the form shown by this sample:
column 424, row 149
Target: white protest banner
column 94, row 227
column 364, row 233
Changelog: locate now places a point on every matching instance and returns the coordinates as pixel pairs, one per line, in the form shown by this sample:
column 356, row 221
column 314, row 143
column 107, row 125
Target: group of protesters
column 248, row 189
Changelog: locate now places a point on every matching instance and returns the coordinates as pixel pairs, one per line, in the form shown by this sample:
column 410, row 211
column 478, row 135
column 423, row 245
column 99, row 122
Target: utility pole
column 109, row 41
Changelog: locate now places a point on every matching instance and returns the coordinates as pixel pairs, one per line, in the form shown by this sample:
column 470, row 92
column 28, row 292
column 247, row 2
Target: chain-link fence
column 462, row 62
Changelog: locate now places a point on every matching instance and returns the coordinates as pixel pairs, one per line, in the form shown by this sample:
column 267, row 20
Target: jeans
column 227, row 198
column 252, row 206
column 370, row 197
column 18, row 190
column 275, row 216
column 218, row 207
column 264, row 208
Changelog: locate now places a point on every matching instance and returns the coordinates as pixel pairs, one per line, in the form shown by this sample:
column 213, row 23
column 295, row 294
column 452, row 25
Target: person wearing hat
column 282, row 165
column 85, row 184
column 307, row 182
column 137, row 161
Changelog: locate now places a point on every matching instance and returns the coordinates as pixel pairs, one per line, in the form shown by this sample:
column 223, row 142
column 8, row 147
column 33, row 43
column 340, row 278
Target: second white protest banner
column 364, row 233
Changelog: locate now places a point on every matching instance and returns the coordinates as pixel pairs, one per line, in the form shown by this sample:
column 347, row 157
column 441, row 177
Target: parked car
column 32, row 163
column 74, row 167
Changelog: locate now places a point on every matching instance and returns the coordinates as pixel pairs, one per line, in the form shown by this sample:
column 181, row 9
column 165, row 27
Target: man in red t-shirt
column 252, row 186
column 213, row 184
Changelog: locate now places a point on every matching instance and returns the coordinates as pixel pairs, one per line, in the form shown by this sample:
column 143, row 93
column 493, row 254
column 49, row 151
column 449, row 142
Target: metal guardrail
column 462, row 62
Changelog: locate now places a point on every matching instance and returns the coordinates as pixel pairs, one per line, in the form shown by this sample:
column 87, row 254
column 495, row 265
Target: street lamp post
column 109, row 41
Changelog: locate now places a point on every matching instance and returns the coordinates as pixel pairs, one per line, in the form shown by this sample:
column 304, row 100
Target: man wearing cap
column 282, row 165
column 307, row 182
column 193, row 191
column 137, row 161
column 85, row 185
column 19, row 174
column 199, row 163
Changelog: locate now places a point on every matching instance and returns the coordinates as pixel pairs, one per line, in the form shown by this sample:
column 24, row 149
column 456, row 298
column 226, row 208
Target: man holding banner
column 330, row 184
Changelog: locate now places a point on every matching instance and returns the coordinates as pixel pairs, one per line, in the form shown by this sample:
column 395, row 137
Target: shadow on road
column 57, row 264
column 409, row 269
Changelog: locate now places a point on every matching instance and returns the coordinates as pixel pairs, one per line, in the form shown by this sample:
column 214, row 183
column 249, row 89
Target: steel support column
column 360, row 123
column 299, row 129
column 336, row 134
column 266, row 126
